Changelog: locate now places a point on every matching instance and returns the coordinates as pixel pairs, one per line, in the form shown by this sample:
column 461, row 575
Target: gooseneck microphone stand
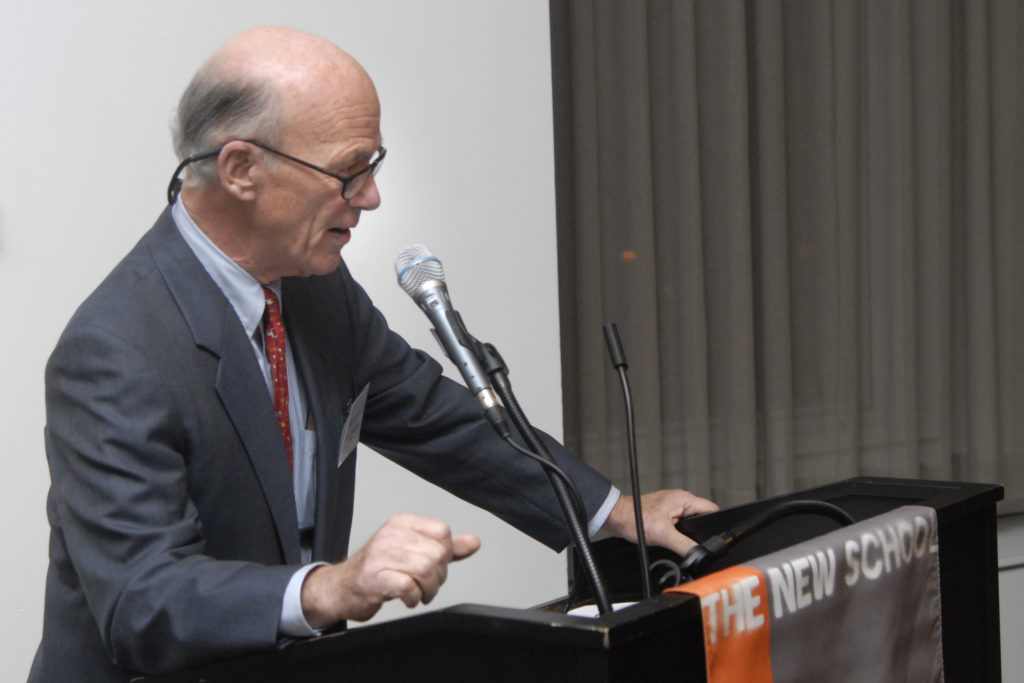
column 570, row 502
column 618, row 359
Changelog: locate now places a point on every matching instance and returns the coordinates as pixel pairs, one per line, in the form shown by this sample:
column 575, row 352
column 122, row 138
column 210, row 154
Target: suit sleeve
column 120, row 507
column 433, row 426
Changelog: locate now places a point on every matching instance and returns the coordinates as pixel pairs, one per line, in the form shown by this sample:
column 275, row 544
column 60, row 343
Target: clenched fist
column 406, row 559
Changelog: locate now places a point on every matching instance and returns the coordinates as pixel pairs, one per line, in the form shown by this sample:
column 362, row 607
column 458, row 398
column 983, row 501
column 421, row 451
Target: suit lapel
column 318, row 348
column 239, row 382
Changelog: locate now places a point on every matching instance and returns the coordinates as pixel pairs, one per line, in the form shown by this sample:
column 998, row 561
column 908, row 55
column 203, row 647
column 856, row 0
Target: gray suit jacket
column 173, row 525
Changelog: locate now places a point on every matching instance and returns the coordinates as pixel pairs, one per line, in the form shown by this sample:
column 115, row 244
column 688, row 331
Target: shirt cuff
column 293, row 621
column 601, row 516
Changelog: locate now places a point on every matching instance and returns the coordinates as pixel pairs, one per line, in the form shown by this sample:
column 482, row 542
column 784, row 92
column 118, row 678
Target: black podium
column 660, row 638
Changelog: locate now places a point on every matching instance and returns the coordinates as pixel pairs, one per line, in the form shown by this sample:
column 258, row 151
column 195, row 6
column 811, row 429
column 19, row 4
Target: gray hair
column 214, row 110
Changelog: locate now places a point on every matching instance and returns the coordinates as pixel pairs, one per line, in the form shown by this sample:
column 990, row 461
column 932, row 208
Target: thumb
column 464, row 545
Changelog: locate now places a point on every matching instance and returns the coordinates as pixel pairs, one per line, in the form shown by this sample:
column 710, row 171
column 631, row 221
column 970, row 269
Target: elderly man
column 204, row 402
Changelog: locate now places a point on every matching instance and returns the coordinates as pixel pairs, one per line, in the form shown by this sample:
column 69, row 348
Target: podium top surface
column 446, row 644
column 864, row 497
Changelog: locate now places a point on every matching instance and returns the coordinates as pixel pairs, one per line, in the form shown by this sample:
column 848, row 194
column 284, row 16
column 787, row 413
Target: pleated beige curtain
column 807, row 221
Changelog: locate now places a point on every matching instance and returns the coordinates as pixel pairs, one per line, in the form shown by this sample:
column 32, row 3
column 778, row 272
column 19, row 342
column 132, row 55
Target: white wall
column 88, row 91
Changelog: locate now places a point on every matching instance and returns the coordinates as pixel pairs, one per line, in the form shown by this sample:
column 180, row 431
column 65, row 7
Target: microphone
column 421, row 276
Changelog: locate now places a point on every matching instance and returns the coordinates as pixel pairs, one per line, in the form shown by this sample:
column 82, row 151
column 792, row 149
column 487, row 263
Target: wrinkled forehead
column 338, row 111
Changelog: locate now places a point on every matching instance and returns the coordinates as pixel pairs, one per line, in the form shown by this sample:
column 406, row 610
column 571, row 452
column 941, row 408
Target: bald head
column 284, row 58
column 260, row 84
column 287, row 129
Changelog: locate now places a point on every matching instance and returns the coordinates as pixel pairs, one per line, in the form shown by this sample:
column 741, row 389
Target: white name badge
column 353, row 426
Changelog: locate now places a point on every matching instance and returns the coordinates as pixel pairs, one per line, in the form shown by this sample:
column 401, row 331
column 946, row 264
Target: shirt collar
column 243, row 291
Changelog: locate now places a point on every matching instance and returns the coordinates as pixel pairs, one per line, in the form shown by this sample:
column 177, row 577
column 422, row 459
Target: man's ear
column 235, row 165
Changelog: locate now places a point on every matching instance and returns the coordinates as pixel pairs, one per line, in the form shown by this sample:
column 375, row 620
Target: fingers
column 423, row 575
column 425, row 526
column 700, row 506
column 662, row 510
column 400, row 585
column 672, row 539
column 407, row 559
column 465, row 545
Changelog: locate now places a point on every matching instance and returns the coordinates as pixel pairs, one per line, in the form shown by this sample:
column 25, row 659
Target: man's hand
column 406, row 559
column 661, row 510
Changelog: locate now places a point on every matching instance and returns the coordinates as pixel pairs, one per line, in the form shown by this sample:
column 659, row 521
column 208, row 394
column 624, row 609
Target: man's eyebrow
column 352, row 158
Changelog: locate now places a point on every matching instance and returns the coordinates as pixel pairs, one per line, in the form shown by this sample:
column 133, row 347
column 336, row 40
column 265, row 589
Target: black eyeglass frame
column 346, row 181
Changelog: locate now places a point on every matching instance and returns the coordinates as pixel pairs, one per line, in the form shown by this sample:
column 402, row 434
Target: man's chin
column 326, row 264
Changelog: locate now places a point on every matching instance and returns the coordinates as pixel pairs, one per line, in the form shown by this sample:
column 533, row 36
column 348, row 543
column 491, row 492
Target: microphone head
column 414, row 266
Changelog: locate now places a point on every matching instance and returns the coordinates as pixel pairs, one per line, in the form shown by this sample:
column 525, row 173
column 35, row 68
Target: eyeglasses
column 350, row 185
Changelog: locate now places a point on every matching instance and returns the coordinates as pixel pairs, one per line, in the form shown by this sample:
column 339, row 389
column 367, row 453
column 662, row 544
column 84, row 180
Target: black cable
column 700, row 558
column 791, row 507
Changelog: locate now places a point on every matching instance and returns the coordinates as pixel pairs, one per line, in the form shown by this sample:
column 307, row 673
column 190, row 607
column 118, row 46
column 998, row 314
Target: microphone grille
column 415, row 265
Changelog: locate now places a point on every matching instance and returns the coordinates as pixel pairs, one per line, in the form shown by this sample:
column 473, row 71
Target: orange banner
column 736, row 625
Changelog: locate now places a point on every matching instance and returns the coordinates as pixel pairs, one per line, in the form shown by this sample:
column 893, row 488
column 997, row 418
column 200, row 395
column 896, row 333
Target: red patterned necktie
column 274, row 339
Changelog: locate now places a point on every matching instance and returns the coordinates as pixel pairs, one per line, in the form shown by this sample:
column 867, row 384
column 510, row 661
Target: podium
column 660, row 638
